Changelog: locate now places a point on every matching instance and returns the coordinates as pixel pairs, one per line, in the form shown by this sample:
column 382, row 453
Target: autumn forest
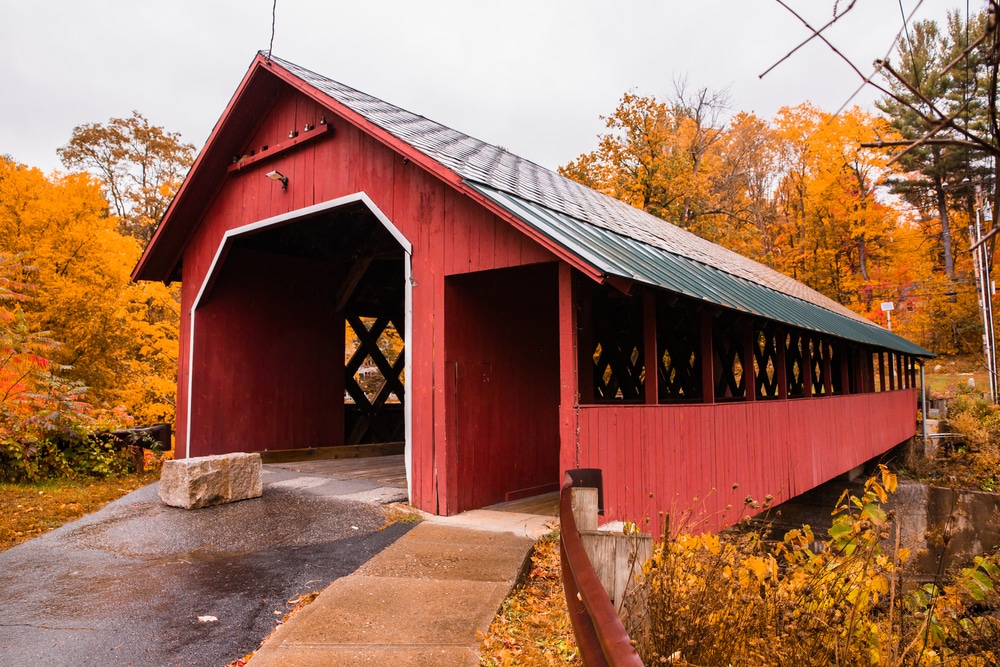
column 824, row 197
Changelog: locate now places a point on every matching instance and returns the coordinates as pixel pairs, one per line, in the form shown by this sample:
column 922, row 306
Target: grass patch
column 947, row 376
column 400, row 513
column 533, row 626
column 28, row 510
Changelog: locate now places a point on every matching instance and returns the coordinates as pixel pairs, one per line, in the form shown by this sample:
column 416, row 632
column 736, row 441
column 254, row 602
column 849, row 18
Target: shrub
column 976, row 464
column 738, row 600
column 46, row 421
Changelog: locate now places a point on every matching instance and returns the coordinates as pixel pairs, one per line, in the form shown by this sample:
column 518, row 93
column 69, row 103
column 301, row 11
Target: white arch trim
column 287, row 218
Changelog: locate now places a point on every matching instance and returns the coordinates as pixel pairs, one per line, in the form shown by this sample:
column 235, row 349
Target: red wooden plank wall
column 503, row 394
column 689, row 456
column 450, row 234
column 260, row 338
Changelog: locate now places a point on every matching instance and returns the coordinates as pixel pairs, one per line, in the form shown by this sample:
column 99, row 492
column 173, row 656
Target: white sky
column 532, row 76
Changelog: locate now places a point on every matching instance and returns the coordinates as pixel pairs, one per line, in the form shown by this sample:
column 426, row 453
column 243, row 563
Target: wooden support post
column 869, row 363
column 583, row 300
column 651, row 355
column 807, row 371
column 568, row 381
column 584, row 503
column 881, row 370
column 749, row 377
column 857, row 371
column 827, row 351
column 707, row 359
column 891, row 370
column 860, row 372
column 781, row 365
column 868, row 369
column 864, row 377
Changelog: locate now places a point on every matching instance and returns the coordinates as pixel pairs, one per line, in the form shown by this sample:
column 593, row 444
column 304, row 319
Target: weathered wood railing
column 598, row 629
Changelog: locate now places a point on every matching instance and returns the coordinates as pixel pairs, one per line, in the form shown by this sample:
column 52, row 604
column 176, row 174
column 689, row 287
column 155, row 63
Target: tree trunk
column 949, row 262
column 863, row 257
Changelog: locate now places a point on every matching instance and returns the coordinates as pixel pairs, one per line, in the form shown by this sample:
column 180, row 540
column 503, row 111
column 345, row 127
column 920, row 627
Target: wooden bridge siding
column 681, row 452
column 450, row 234
column 278, row 386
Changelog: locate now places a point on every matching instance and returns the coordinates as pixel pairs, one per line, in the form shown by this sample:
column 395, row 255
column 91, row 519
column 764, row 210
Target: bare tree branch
column 948, row 121
column 815, row 33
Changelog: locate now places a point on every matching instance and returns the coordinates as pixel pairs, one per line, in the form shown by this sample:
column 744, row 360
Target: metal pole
column 982, row 288
column 923, row 403
column 990, row 330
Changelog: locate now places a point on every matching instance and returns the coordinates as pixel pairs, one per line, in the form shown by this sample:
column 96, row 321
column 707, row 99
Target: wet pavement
column 139, row 583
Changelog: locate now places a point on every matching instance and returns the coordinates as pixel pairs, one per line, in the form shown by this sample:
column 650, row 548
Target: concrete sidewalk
column 419, row 602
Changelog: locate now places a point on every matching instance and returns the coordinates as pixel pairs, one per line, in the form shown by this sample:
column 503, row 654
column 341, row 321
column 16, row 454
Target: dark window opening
column 765, row 352
column 678, row 346
column 727, row 344
column 618, row 364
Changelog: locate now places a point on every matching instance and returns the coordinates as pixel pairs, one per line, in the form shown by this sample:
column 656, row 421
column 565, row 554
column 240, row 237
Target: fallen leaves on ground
column 533, row 626
column 28, row 510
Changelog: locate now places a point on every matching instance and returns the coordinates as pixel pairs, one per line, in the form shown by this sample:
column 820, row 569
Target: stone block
column 210, row 480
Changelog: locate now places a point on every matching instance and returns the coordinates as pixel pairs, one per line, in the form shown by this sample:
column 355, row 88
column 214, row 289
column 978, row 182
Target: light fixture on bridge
column 278, row 176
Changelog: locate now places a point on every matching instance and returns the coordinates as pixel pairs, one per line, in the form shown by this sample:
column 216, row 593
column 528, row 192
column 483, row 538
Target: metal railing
column 599, row 632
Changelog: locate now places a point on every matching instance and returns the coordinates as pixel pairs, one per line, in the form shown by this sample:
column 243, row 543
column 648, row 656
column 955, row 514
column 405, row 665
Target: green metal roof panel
column 630, row 258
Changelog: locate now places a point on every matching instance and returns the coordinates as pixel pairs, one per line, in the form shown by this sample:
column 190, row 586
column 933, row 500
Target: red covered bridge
column 546, row 326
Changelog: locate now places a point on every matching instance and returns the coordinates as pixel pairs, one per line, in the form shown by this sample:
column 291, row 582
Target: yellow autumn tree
column 118, row 338
column 834, row 227
column 643, row 159
column 800, row 193
column 741, row 177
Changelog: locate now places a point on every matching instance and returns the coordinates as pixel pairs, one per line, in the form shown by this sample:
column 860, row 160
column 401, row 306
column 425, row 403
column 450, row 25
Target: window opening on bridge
column 373, row 352
column 619, row 367
column 678, row 342
column 730, row 383
column 765, row 362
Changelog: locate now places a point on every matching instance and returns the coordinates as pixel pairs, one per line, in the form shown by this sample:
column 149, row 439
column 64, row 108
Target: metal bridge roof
column 611, row 235
column 630, row 258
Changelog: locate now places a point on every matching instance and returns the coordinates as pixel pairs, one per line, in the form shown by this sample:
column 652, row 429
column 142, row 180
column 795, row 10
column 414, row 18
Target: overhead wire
column 274, row 13
column 868, row 80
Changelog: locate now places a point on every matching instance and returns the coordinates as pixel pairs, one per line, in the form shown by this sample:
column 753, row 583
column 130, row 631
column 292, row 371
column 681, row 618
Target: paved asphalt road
column 126, row 585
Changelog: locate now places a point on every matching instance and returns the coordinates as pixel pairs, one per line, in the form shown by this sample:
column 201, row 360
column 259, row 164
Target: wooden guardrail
column 599, row 632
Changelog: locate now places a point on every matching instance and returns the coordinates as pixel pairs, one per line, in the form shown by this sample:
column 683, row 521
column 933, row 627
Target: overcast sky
column 532, row 76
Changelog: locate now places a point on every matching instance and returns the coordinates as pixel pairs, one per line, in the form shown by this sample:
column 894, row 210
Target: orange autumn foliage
column 798, row 193
column 117, row 338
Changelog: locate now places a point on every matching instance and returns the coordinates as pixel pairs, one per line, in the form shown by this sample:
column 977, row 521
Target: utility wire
column 868, row 80
column 909, row 41
column 274, row 11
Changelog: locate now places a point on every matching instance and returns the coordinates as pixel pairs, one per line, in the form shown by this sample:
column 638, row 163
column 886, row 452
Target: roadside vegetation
column 970, row 460
column 83, row 350
column 737, row 599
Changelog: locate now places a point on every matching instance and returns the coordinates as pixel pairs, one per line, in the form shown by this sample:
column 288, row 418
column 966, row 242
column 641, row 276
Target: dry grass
column 28, row 510
column 947, row 375
column 400, row 513
column 533, row 626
